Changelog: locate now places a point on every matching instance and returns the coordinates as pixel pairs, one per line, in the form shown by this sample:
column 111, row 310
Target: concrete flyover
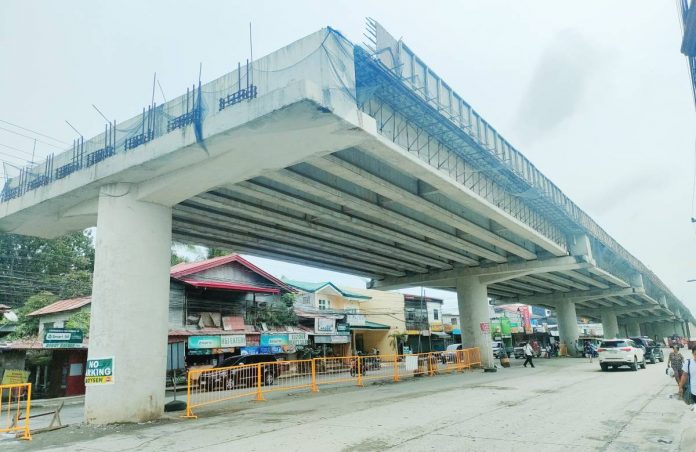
column 355, row 159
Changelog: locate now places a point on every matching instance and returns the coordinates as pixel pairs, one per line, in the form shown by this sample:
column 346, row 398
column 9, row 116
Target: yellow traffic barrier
column 212, row 386
column 11, row 418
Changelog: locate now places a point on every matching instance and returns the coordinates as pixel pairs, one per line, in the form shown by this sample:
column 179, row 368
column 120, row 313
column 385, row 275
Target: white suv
column 620, row 352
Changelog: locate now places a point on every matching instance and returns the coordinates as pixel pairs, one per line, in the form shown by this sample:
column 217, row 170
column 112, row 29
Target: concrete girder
column 239, row 239
column 581, row 295
column 665, row 318
column 205, row 222
column 616, row 301
column 490, row 274
column 493, row 290
column 363, row 178
column 227, row 205
column 346, row 222
column 245, row 248
column 542, row 283
column 585, row 279
column 305, row 184
column 395, row 156
column 563, row 281
column 608, row 276
column 629, row 309
column 513, row 283
column 513, row 290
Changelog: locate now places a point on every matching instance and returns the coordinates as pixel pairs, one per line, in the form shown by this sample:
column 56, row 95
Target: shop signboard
column 62, row 338
column 437, row 327
column 272, row 350
column 331, row 339
column 343, row 329
column 15, row 376
column 100, row 371
column 355, row 319
column 485, row 327
column 197, row 342
column 270, row 340
column 505, row 326
column 253, row 340
column 233, row 340
column 323, row 325
column 249, row 351
column 297, row 338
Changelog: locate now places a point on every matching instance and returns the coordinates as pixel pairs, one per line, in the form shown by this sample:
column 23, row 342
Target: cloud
column 558, row 84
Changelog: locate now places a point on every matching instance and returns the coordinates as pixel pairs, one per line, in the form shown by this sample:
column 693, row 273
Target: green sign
column 62, row 338
column 99, row 371
column 505, row 326
column 195, row 342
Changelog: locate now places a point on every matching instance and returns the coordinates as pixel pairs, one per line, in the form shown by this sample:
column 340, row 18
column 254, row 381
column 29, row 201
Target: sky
column 594, row 93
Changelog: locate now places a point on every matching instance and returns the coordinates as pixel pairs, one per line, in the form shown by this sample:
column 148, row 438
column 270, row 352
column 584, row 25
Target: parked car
column 497, row 346
column 234, row 373
column 653, row 351
column 620, row 352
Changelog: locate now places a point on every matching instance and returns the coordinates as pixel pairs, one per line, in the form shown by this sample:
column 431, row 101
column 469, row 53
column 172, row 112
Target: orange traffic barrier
column 212, row 386
column 11, row 417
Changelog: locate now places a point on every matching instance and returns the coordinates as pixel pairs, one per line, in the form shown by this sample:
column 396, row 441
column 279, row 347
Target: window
column 48, row 325
column 435, row 314
column 454, row 321
column 324, row 305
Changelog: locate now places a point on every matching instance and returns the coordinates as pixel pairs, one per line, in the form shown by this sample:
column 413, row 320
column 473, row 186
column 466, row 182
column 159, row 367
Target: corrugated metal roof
column 62, row 305
column 316, row 287
column 228, row 286
column 184, row 269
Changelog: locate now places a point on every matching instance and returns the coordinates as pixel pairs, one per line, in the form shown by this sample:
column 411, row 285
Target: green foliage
column 216, row 252
column 289, row 298
column 397, row 338
column 79, row 321
column 29, row 326
column 30, row 265
column 275, row 315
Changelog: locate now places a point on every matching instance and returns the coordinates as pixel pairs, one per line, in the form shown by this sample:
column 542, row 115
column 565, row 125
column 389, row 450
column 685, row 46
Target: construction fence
column 207, row 387
column 15, row 408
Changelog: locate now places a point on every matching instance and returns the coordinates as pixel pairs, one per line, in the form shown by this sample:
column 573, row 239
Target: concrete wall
column 58, row 319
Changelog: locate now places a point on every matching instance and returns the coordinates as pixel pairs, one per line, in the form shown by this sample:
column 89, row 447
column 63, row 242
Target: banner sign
column 324, row 325
column 195, row 342
column 99, row 371
column 271, row 340
column 298, row 338
column 14, row 377
column 233, row 340
column 331, row 339
column 62, row 338
column 485, row 327
column 355, row 319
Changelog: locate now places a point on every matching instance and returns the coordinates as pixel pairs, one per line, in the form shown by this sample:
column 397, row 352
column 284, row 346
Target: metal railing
column 15, row 409
column 206, row 387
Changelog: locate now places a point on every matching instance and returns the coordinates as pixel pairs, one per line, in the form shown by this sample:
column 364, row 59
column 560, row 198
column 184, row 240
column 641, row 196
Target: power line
column 15, row 149
column 32, row 138
column 35, row 132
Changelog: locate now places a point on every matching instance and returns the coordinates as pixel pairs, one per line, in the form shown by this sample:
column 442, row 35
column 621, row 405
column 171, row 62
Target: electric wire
column 32, row 138
column 34, row 132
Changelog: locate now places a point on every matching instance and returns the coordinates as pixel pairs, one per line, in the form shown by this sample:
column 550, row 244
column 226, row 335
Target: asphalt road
column 562, row 404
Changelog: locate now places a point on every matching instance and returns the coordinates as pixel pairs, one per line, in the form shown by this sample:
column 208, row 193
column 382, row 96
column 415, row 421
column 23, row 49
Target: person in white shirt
column 688, row 368
column 528, row 353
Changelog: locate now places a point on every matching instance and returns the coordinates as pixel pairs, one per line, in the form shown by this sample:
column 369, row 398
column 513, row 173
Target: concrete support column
column 568, row 326
column 130, row 299
column 610, row 324
column 633, row 329
column 472, row 298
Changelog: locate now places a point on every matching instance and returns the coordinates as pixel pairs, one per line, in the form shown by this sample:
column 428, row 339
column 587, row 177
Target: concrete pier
column 472, row 297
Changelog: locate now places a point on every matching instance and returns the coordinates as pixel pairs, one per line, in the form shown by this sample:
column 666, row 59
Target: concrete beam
column 315, row 188
column 585, row 279
column 488, row 274
column 342, row 221
column 352, row 173
column 580, row 295
column 609, row 277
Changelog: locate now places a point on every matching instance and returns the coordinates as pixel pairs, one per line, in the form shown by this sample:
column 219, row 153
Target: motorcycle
column 354, row 366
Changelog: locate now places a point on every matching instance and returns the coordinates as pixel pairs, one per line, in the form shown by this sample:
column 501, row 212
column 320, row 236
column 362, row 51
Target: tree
column 30, row 265
column 396, row 339
column 216, row 252
column 28, row 325
column 79, row 321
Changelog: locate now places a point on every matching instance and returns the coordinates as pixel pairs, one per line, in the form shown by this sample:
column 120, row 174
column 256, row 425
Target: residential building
column 424, row 323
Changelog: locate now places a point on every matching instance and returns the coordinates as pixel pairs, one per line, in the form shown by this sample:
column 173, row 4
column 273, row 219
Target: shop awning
column 370, row 326
column 439, row 334
column 456, row 331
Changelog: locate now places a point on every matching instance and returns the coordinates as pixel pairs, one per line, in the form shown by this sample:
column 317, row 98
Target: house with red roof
column 215, row 307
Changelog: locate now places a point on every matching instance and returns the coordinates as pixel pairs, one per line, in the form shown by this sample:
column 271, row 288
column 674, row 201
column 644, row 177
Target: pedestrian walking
column 528, row 353
column 589, row 352
column 675, row 361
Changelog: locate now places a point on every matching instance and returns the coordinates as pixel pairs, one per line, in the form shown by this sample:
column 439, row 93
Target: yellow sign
column 436, row 327
column 13, row 377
